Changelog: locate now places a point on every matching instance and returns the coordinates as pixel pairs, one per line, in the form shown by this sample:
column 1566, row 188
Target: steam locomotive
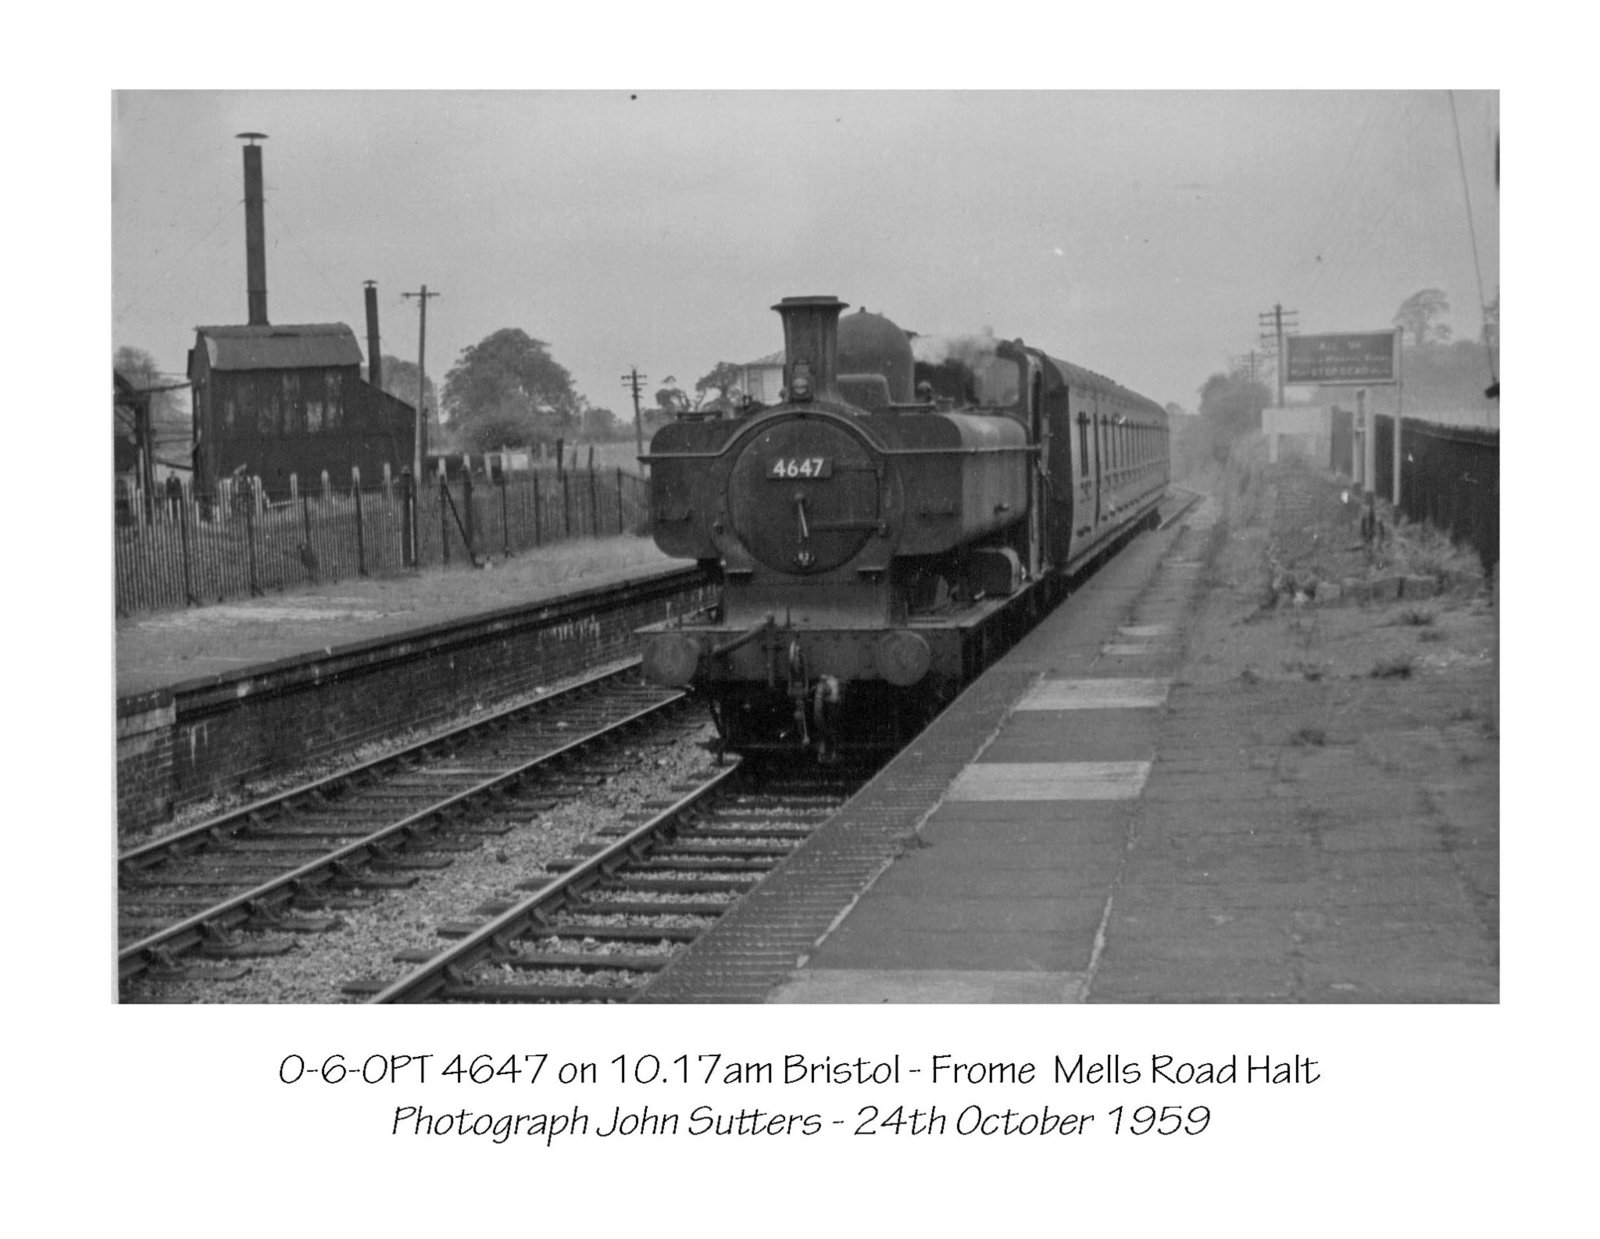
column 909, row 506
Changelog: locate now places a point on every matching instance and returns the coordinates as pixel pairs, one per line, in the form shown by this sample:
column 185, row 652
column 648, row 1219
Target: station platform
column 1118, row 812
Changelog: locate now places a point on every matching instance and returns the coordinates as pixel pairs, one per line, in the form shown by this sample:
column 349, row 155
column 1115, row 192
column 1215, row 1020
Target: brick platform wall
column 202, row 739
column 144, row 757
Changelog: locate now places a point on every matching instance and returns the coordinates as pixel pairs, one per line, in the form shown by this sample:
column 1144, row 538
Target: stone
column 1417, row 588
column 1386, row 589
column 1329, row 594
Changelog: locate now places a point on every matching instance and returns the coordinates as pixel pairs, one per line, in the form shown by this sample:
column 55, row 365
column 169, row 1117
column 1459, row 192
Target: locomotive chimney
column 255, row 232
column 374, row 355
column 810, row 347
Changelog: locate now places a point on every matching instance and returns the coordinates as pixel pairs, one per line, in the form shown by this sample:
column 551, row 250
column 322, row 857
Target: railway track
column 604, row 924
column 244, row 883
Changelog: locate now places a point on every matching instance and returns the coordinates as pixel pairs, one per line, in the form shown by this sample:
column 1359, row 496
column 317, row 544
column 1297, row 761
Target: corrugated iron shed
column 287, row 347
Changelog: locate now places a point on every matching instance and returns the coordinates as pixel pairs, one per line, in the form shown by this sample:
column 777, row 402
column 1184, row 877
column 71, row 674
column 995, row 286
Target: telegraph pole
column 632, row 379
column 1275, row 320
column 422, row 408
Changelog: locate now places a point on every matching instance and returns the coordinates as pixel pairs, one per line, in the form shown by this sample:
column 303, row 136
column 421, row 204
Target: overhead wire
column 1472, row 234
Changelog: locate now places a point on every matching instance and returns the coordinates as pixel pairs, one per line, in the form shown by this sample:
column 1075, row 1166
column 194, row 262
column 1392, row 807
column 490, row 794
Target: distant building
column 762, row 379
column 290, row 399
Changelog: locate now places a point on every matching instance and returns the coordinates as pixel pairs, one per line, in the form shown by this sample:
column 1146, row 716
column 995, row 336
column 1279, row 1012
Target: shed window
column 334, row 417
column 294, row 418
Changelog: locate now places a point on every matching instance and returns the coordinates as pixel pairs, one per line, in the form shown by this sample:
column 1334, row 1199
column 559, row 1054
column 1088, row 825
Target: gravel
column 364, row 947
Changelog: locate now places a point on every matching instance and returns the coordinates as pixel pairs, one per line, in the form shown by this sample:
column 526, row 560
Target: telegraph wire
column 1472, row 233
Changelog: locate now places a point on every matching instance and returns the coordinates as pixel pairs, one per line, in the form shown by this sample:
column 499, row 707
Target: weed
column 1415, row 617
column 1309, row 737
column 1250, row 676
column 1392, row 668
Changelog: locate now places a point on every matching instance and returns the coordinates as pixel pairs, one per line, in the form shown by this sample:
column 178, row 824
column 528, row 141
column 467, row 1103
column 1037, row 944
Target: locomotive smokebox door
column 804, row 495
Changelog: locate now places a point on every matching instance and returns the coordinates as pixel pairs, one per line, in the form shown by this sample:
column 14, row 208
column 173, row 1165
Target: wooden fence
column 188, row 550
column 1450, row 477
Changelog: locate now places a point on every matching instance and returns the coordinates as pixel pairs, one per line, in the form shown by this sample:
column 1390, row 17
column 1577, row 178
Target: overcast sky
column 1138, row 234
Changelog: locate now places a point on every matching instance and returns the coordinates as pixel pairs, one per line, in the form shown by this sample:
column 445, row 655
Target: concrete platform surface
column 1105, row 817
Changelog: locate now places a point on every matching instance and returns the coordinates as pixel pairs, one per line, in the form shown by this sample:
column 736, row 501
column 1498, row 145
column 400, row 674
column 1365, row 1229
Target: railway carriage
column 883, row 531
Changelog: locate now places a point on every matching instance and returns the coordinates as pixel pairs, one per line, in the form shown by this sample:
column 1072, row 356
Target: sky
column 1140, row 234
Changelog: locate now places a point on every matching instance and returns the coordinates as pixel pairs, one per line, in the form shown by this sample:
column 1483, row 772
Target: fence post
column 361, row 537
column 294, row 486
column 327, row 489
column 620, row 529
column 505, row 518
column 388, row 483
column 566, row 506
column 537, row 523
column 308, row 554
column 250, row 534
column 466, row 502
column 188, row 581
column 444, row 517
column 408, row 522
column 594, row 500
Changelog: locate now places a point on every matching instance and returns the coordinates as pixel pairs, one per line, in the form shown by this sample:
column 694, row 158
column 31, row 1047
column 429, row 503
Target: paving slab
column 1276, row 836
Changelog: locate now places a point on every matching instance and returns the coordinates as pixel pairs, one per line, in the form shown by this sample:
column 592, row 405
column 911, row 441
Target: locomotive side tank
column 870, row 536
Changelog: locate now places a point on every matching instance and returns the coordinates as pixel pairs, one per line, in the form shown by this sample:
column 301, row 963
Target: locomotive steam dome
column 804, row 495
column 873, row 344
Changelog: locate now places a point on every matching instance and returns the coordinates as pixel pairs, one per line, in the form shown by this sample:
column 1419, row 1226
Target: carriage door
column 1085, row 508
column 1039, row 468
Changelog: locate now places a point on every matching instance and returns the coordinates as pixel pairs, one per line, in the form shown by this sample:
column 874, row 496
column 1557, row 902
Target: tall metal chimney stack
column 374, row 354
column 811, row 346
column 255, row 231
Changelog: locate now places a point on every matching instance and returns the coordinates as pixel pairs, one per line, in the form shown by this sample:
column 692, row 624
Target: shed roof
column 288, row 347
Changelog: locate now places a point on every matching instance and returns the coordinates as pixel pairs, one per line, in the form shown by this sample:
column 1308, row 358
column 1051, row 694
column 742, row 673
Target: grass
column 1398, row 668
column 205, row 640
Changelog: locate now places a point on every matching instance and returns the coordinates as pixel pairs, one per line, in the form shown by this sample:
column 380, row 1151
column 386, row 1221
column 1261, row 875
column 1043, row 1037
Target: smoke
column 966, row 349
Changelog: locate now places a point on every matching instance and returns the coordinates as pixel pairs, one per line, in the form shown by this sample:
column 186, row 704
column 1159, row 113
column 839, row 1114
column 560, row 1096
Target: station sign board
column 1359, row 359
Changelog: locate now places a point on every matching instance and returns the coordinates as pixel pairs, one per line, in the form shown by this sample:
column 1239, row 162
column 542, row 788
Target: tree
column 508, row 389
column 724, row 378
column 1422, row 314
column 170, row 423
column 1491, row 324
column 602, row 424
column 400, row 380
column 672, row 399
column 1230, row 407
column 139, row 368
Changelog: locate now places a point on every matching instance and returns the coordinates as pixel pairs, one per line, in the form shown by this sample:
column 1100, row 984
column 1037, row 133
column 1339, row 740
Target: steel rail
column 203, row 833
column 181, row 935
column 426, row 979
